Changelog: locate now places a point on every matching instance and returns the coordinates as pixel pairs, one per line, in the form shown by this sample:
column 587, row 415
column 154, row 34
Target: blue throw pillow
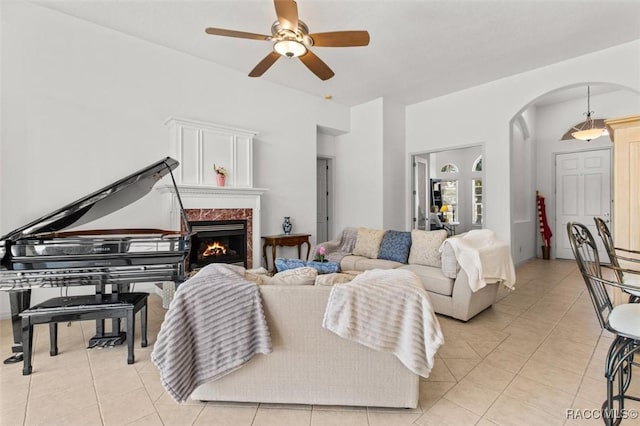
column 324, row 267
column 284, row 264
column 395, row 246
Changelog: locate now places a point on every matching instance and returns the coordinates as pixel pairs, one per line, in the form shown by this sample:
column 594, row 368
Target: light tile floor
column 535, row 354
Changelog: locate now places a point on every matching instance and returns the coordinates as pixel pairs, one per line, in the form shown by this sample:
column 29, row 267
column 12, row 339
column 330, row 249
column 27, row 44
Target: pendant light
column 590, row 128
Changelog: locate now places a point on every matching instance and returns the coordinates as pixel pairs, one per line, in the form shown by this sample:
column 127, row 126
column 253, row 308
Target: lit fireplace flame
column 215, row 249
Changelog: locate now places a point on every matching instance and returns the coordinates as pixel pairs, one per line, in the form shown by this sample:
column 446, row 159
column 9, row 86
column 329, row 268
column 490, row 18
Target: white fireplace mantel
column 214, row 191
column 214, row 197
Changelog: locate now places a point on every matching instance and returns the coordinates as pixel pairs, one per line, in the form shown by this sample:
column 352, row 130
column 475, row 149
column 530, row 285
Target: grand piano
column 42, row 254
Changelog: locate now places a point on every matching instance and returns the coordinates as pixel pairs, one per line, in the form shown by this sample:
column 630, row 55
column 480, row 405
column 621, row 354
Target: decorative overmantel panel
column 198, row 146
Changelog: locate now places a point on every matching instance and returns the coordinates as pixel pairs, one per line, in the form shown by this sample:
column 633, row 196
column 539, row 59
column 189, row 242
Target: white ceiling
column 418, row 50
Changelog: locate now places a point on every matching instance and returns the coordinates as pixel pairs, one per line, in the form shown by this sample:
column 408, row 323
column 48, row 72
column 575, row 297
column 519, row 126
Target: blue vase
column 286, row 225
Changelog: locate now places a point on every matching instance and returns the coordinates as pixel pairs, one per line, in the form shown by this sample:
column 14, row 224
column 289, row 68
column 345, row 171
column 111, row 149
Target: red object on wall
column 545, row 231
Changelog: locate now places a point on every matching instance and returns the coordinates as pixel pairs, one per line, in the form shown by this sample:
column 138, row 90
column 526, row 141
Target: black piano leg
column 116, row 322
column 27, row 343
column 53, row 338
column 143, row 325
column 131, row 327
column 19, row 300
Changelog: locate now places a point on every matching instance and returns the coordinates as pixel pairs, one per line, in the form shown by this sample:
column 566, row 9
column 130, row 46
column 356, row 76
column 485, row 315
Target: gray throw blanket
column 214, row 325
column 340, row 247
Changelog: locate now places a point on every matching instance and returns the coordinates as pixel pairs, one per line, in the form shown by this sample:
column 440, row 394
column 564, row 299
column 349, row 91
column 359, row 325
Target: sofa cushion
column 297, row 276
column 432, row 278
column 368, row 242
column 361, row 263
column 367, row 264
column 348, row 263
column 395, row 246
column 424, row 247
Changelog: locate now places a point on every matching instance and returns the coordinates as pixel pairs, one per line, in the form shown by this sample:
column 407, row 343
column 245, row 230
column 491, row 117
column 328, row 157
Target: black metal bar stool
column 621, row 320
column 628, row 278
column 81, row 308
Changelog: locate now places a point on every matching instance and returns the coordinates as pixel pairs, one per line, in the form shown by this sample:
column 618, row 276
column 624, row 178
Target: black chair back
column 584, row 249
column 607, row 241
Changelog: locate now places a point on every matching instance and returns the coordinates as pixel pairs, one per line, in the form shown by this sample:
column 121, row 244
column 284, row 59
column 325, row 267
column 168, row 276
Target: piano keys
column 42, row 254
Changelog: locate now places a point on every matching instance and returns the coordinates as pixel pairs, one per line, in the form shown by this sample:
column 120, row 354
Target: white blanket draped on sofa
column 484, row 258
column 387, row 310
column 215, row 324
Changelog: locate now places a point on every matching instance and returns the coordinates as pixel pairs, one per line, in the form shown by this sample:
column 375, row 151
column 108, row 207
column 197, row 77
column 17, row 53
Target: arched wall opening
column 535, row 133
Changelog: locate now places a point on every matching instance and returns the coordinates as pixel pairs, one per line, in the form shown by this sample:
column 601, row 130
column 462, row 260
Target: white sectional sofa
column 361, row 249
column 311, row 365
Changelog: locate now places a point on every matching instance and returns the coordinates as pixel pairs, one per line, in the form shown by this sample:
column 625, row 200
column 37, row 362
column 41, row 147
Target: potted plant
column 221, row 175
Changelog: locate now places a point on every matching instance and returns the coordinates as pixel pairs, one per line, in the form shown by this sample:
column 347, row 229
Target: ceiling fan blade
column 287, row 11
column 341, row 39
column 238, row 34
column 264, row 64
column 316, row 65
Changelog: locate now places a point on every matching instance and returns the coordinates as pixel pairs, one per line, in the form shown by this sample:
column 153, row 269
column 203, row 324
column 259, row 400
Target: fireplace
column 218, row 241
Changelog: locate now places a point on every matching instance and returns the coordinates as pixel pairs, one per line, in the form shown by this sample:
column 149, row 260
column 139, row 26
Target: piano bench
column 81, row 308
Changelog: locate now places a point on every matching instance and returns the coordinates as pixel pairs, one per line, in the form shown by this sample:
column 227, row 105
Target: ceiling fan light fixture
column 290, row 48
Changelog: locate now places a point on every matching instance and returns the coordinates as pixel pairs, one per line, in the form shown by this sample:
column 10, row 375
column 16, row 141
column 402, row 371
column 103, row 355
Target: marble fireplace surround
column 203, row 215
column 203, row 202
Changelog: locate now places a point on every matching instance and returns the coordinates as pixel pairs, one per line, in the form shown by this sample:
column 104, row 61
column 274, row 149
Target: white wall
column 394, row 193
column 523, row 186
column 483, row 114
column 83, row 106
column 359, row 169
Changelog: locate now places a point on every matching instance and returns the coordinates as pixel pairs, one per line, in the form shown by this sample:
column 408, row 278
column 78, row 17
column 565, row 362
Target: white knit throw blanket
column 215, row 324
column 484, row 258
column 387, row 310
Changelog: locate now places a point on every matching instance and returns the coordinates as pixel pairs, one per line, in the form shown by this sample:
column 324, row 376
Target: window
column 476, row 190
column 476, row 193
column 449, row 190
column 477, row 165
column 449, row 168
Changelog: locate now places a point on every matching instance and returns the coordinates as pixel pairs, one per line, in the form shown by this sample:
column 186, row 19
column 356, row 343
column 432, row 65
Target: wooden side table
column 288, row 240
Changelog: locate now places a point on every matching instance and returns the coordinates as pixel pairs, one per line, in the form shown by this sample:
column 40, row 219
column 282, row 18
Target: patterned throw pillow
column 324, row 267
column 424, row 247
column 368, row 242
column 395, row 246
column 286, row 264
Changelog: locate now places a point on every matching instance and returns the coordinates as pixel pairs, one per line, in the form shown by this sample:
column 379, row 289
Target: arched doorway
column 535, row 133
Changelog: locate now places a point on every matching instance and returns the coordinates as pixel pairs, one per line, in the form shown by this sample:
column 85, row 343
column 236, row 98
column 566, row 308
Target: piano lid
column 101, row 203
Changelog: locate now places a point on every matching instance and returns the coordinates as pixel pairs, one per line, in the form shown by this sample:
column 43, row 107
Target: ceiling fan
column 292, row 39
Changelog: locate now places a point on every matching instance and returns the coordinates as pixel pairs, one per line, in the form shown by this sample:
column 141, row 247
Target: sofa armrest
column 330, row 247
column 450, row 265
column 466, row 303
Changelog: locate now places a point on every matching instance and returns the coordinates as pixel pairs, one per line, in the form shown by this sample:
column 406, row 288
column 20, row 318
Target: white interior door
column 322, row 231
column 419, row 193
column 583, row 191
